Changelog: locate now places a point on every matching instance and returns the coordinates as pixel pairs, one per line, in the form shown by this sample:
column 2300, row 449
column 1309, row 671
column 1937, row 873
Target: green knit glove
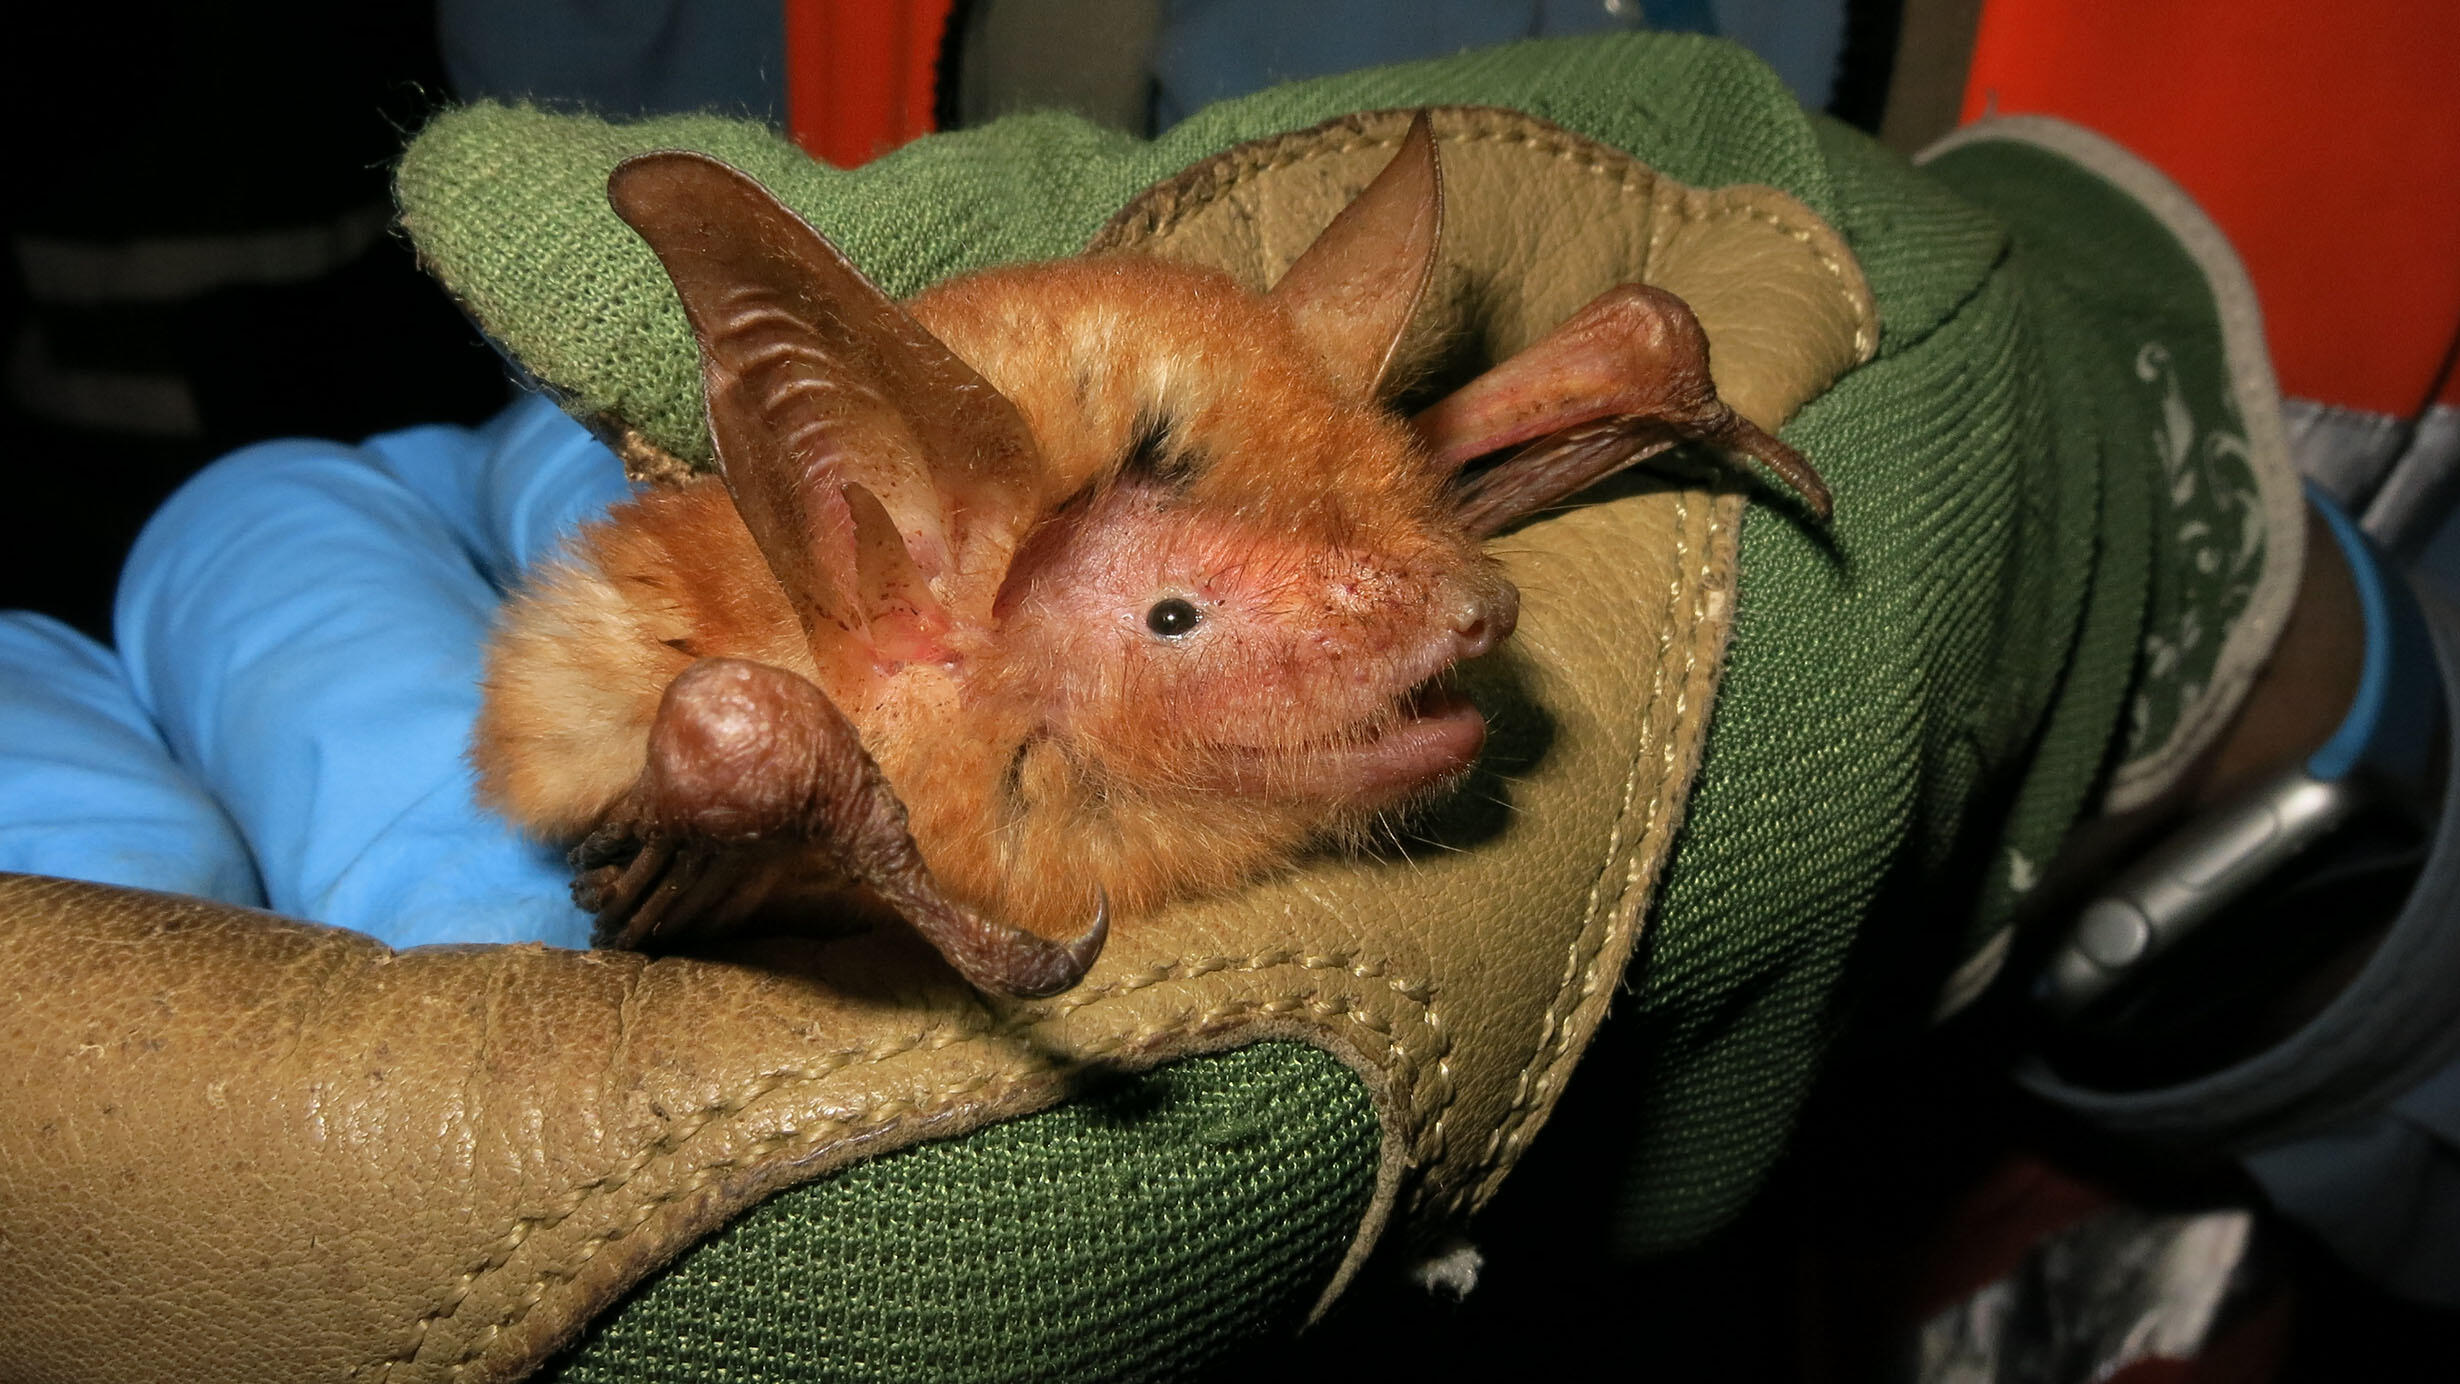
column 2013, row 598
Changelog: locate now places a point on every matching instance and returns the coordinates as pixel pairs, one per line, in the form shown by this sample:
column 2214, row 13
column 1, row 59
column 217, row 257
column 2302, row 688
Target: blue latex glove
column 301, row 630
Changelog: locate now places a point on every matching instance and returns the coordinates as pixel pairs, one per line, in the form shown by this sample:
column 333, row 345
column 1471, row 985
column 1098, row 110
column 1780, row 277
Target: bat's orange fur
column 1061, row 745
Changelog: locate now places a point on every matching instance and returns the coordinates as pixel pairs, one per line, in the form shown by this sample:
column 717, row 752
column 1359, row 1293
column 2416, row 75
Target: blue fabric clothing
column 88, row 789
column 301, row 630
column 620, row 57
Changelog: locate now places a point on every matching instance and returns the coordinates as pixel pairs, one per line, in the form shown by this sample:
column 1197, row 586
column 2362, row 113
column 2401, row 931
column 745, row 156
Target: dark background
column 185, row 134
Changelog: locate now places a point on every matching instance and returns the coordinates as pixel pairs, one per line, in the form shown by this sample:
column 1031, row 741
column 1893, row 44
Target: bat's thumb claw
column 1788, row 465
column 1008, row 960
column 1044, row 968
column 1088, row 944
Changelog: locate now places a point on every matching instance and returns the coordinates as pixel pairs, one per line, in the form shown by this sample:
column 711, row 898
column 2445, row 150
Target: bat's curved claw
column 1618, row 382
column 622, row 892
column 1008, row 960
column 1080, row 953
column 1788, row 465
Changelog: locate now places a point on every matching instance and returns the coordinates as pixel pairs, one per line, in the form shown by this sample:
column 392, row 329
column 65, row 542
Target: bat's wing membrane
column 1623, row 379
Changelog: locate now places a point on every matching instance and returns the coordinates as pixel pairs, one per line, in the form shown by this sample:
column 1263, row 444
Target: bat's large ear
column 1354, row 290
column 1624, row 379
column 861, row 452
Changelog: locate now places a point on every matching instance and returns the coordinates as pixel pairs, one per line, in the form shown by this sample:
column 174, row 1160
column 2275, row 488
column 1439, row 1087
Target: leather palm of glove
column 301, row 631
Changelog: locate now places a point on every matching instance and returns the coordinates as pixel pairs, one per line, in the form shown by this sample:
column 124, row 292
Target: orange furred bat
column 1051, row 595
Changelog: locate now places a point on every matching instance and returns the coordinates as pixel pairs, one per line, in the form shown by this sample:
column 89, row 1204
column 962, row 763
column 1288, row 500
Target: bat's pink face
column 1259, row 579
column 1193, row 649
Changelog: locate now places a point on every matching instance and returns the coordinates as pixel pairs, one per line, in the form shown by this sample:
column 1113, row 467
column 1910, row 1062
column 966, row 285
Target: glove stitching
column 1588, row 943
column 888, row 1118
column 1636, row 864
column 1629, row 174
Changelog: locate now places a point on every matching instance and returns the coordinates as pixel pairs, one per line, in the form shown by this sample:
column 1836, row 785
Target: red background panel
column 2324, row 138
column 860, row 74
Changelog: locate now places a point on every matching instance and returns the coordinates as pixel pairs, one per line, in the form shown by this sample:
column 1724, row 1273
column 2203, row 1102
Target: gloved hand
column 301, row 634
column 301, row 630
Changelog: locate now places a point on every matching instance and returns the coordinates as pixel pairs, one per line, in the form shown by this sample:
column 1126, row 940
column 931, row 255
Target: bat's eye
column 1173, row 617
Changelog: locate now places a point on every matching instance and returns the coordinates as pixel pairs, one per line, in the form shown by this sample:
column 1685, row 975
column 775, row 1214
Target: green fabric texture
column 1879, row 694
column 508, row 204
column 1920, row 699
column 2104, row 254
column 1136, row 1233
column 2047, row 523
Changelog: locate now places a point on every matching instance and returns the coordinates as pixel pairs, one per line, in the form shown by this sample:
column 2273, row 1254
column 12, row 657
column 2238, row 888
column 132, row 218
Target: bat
column 1053, row 594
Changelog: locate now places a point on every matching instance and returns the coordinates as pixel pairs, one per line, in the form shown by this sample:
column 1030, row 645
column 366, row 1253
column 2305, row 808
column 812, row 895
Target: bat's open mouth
column 1432, row 734
column 1438, row 735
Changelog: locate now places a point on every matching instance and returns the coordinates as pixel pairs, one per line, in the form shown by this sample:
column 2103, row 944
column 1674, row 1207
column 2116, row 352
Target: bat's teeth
column 1434, row 697
column 1413, row 702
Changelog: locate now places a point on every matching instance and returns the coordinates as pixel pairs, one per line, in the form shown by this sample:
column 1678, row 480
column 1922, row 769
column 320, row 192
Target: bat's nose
column 1485, row 619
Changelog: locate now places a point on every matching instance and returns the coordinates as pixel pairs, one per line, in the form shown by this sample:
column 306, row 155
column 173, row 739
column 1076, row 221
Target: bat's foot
column 630, row 884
